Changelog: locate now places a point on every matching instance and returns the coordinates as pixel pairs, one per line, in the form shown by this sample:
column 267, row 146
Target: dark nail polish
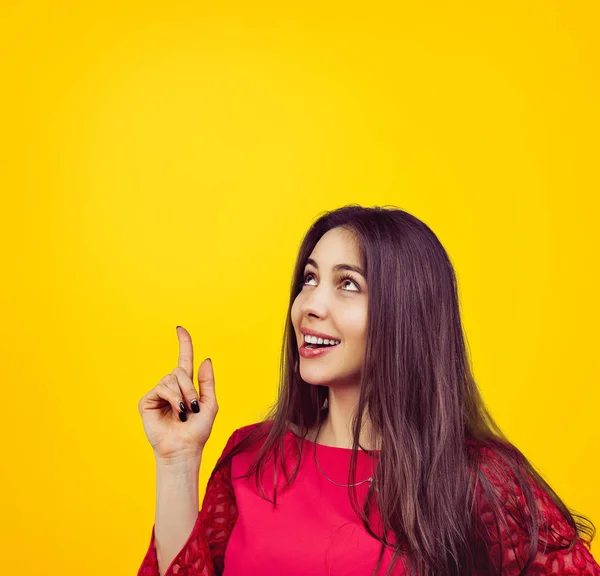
column 182, row 406
column 183, row 416
column 195, row 406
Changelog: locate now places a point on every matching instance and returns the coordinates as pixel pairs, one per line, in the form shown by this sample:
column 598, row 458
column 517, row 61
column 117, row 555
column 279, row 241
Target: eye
column 344, row 279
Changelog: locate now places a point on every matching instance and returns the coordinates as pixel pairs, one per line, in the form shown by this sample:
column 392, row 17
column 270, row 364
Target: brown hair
column 420, row 395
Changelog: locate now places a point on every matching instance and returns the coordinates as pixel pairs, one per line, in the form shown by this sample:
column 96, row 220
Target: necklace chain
column 370, row 479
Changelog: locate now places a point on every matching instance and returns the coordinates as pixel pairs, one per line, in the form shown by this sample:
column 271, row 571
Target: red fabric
column 314, row 529
column 552, row 526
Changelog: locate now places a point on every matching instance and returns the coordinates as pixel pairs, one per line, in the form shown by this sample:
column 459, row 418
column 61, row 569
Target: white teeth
column 315, row 340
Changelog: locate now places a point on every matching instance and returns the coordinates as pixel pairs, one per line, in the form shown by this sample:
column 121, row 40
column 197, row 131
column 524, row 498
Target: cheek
column 295, row 313
column 355, row 324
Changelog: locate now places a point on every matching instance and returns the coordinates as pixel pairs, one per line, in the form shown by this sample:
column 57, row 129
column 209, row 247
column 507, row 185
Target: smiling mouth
column 316, row 346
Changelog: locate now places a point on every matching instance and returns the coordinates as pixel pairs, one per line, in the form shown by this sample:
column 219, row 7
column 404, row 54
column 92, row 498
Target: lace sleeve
column 204, row 551
column 507, row 540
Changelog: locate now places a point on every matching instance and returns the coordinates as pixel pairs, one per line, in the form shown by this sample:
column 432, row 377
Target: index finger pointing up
column 186, row 351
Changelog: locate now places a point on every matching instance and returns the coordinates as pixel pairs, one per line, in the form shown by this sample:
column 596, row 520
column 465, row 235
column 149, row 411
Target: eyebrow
column 338, row 267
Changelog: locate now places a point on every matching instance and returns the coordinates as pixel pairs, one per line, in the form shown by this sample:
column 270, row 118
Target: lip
column 308, row 332
column 314, row 352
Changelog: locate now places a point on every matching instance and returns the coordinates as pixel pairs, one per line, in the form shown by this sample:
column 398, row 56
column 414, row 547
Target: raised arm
column 178, row 438
column 204, row 551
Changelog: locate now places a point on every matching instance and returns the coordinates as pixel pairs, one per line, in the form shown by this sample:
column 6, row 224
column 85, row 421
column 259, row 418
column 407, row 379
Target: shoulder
column 248, row 434
column 507, row 486
column 521, row 519
column 252, row 429
column 495, row 460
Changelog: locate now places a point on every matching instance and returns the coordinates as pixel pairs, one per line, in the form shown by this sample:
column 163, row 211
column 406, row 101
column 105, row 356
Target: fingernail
column 177, row 327
column 183, row 416
column 182, row 406
column 195, row 406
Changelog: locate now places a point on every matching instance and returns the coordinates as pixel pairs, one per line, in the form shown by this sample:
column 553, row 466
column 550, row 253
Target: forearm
column 176, row 507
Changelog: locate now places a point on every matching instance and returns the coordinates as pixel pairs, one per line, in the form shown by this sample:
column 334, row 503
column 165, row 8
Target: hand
column 170, row 437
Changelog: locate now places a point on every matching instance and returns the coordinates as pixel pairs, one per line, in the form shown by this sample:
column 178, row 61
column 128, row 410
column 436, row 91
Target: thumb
column 206, row 381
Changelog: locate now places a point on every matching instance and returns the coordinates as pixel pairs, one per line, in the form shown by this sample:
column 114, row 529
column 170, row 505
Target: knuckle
column 167, row 389
column 165, row 379
column 179, row 371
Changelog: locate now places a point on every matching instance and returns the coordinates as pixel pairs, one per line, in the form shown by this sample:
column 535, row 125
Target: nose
column 316, row 302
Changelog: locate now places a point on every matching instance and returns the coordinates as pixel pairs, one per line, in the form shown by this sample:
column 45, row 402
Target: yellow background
column 160, row 164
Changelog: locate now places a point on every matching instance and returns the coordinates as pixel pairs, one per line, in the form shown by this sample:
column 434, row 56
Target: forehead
column 335, row 246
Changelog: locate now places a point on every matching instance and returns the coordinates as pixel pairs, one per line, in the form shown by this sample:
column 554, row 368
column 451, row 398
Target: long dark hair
column 421, row 398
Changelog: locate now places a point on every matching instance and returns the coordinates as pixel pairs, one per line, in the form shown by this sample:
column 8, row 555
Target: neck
column 336, row 429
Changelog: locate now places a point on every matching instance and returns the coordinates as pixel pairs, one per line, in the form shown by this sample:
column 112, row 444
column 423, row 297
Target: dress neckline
column 333, row 449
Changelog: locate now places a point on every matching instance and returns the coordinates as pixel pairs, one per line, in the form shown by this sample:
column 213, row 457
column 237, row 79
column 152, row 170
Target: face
column 333, row 302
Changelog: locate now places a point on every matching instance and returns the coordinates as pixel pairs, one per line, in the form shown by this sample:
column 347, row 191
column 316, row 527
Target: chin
column 332, row 380
column 315, row 380
column 319, row 378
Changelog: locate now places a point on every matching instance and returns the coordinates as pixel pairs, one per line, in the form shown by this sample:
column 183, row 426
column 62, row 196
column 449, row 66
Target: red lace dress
column 314, row 529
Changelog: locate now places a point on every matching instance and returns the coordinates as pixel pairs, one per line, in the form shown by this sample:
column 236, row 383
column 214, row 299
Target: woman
column 379, row 456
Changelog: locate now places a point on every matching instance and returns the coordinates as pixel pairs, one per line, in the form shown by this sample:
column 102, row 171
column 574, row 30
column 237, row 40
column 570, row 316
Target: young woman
column 379, row 456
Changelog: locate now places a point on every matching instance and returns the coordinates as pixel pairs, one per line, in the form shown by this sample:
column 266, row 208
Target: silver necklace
column 370, row 479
